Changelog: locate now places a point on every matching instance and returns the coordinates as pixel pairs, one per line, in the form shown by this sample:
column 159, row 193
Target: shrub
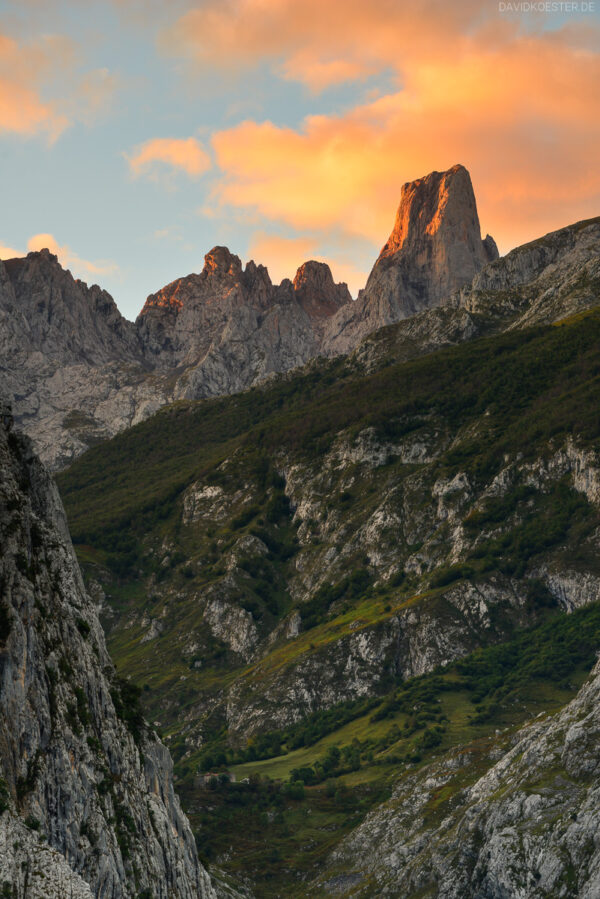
column 294, row 789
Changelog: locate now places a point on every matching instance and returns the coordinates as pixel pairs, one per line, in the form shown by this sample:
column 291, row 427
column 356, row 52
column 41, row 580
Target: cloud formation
column 283, row 256
column 22, row 69
column 81, row 268
column 520, row 110
column 319, row 43
column 177, row 154
column 50, row 66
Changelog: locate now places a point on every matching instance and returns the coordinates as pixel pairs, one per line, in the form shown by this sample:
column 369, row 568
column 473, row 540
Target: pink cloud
column 186, row 155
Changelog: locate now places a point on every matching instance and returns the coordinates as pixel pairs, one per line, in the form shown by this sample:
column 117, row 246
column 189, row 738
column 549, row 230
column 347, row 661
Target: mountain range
column 76, row 371
column 355, row 566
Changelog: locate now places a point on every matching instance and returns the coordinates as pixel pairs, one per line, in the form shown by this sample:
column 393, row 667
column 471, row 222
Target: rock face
column 86, row 792
column 230, row 327
column 44, row 310
column 435, row 245
column 317, row 293
column 434, row 248
column 527, row 827
column 77, row 372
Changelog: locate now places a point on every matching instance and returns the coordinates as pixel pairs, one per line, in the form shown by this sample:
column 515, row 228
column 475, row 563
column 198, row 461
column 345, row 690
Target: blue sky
column 303, row 121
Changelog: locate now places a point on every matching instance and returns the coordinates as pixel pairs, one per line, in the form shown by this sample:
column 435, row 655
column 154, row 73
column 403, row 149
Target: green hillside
column 293, row 574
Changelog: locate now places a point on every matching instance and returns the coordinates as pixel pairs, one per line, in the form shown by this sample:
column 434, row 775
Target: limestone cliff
column 435, row 247
column 86, row 791
column 45, row 311
column 515, row 818
column 229, row 326
column 77, row 372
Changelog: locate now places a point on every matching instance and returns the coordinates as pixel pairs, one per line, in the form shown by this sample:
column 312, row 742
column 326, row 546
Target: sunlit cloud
column 7, row 252
column 524, row 117
column 283, row 256
column 42, row 88
column 22, row 70
column 81, row 268
column 318, row 43
column 176, row 154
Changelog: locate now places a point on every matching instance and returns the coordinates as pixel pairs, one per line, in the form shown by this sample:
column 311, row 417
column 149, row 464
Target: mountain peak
column 441, row 203
column 317, row 292
column 435, row 245
column 315, row 273
column 220, row 261
column 44, row 253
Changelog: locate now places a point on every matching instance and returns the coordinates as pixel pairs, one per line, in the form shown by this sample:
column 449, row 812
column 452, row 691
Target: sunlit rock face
column 435, row 247
column 180, row 322
column 194, row 317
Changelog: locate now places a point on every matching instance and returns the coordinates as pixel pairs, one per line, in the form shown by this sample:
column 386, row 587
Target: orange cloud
column 7, row 252
column 184, row 154
column 49, row 65
column 81, row 268
column 22, row 68
column 319, row 43
column 523, row 115
column 283, row 256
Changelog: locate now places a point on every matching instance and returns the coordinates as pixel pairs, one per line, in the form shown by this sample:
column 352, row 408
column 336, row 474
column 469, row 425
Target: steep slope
column 322, row 535
column 78, row 766
column 518, row 817
column 434, row 248
column 274, row 566
column 70, row 364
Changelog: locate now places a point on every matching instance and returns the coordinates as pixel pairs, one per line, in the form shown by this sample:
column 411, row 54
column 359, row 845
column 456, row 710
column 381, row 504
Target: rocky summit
column 435, row 247
column 77, row 372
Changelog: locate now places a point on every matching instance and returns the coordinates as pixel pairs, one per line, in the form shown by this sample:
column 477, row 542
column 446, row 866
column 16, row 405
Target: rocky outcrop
column 77, row 372
column 537, row 284
column 434, row 248
column 526, row 827
column 45, row 311
column 79, row 770
column 230, row 327
column 317, row 293
column 540, row 282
